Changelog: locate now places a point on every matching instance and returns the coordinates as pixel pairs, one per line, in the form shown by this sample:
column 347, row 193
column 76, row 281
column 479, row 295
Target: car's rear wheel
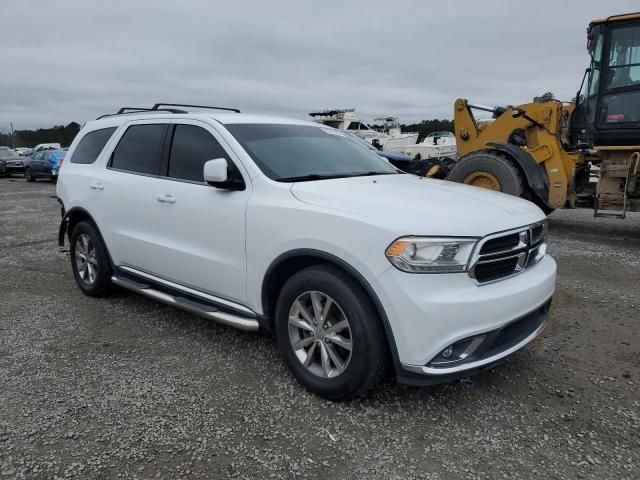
column 90, row 261
column 28, row 175
column 329, row 333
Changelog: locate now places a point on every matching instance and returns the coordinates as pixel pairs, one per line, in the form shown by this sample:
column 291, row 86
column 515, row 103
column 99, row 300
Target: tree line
column 425, row 127
column 62, row 134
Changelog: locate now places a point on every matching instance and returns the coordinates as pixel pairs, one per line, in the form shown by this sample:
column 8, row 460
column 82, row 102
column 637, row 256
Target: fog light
column 446, row 353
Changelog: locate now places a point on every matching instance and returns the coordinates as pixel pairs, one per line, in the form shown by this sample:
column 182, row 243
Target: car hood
column 411, row 205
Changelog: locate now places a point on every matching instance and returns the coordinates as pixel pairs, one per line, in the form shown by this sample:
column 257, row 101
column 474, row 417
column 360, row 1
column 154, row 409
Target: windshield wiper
column 369, row 174
column 313, row 176
column 319, row 176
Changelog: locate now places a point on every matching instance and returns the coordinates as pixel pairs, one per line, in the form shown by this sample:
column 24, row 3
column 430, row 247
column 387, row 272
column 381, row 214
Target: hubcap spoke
column 92, row 273
column 310, row 352
column 303, row 342
column 335, row 358
column 325, row 310
column 317, row 306
column 297, row 322
column 341, row 341
column 324, row 357
column 338, row 327
column 303, row 310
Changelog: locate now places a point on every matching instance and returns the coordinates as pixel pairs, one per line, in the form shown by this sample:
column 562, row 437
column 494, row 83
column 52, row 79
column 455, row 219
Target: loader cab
column 608, row 106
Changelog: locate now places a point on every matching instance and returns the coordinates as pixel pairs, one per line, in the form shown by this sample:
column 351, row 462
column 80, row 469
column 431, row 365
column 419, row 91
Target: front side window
column 621, row 102
column 624, row 57
column 91, row 145
column 192, row 147
column 140, row 149
column 301, row 152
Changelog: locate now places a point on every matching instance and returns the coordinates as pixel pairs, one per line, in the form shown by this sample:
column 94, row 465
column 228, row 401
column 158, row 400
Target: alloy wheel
column 320, row 334
column 86, row 261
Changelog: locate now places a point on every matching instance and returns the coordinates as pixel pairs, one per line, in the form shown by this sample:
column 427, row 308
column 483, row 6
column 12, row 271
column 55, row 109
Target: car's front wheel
column 90, row 261
column 329, row 333
column 28, row 175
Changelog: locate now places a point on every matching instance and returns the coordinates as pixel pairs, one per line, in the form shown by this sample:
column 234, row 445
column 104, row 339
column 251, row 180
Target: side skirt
column 190, row 302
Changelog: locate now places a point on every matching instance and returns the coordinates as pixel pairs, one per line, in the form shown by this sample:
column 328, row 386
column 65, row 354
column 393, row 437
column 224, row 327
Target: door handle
column 96, row 186
column 166, row 198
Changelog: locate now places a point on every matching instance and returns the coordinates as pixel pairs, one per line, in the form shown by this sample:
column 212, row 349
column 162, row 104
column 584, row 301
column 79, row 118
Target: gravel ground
column 129, row 388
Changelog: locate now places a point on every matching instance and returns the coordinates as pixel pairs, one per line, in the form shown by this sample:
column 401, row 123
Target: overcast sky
column 63, row 61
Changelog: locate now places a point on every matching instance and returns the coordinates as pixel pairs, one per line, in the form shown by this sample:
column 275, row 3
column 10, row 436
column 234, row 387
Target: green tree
column 61, row 134
column 425, row 127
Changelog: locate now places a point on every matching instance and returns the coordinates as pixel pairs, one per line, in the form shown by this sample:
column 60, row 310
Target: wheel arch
column 70, row 219
column 535, row 174
column 293, row 261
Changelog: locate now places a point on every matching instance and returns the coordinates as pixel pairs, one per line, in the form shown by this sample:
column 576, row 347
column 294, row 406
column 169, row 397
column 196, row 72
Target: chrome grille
column 502, row 255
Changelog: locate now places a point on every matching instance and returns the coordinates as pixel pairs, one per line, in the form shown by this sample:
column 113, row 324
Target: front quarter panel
column 278, row 223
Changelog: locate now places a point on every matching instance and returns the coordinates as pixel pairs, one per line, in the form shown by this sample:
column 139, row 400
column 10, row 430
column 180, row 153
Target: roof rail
column 143, row 109
column 158, row 105
column 129, row 110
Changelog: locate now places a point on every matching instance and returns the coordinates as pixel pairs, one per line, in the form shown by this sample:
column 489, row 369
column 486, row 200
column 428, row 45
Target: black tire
column 368, row 358
column 28, row 175
column 101, row 285
column 500, row 166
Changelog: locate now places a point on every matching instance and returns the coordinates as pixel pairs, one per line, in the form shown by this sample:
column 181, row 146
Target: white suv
column 290, row 226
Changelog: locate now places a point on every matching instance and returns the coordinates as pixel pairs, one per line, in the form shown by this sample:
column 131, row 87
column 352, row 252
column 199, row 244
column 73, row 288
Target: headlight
column 431, row 255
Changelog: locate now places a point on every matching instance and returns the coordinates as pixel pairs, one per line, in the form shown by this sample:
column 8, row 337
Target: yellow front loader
column 551, row 152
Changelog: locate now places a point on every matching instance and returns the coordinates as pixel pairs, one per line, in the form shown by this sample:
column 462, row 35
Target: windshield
column 293, row 152
column 362, row 141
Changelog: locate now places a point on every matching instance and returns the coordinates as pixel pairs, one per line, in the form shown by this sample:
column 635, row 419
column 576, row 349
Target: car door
column 201, row 229
column 123, row 199
column 34, row 162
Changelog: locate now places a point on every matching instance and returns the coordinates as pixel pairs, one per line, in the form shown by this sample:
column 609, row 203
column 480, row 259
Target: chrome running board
column 199, row 308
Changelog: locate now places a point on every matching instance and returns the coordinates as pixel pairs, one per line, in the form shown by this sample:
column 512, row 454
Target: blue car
column 43, row 164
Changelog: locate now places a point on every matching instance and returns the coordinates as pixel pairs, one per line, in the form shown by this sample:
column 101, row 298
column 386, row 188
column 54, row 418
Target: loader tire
column 491, row 170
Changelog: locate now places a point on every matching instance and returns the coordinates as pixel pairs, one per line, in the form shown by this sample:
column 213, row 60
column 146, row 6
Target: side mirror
column 215, row 171
column 218, row 174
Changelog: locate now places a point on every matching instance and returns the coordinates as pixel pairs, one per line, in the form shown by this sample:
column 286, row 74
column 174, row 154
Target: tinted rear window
column 91, row 145
column 192, row 147
column 140, row 149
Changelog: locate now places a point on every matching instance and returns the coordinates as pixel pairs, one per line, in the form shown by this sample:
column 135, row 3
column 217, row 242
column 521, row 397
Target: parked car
column 23, row 151
column 46, row 146
column 12, row 162
column 262, row 222
column 43, row 164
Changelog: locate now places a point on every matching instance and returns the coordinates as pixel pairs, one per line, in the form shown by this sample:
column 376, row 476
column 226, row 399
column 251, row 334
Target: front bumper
column 495, row 346
column 427, row 313
column 15, row 167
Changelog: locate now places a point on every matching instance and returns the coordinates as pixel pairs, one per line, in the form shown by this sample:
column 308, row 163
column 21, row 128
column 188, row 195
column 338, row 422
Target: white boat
column 435, row 145
column 345, row 119
column 394, row 140
column 387, row 137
